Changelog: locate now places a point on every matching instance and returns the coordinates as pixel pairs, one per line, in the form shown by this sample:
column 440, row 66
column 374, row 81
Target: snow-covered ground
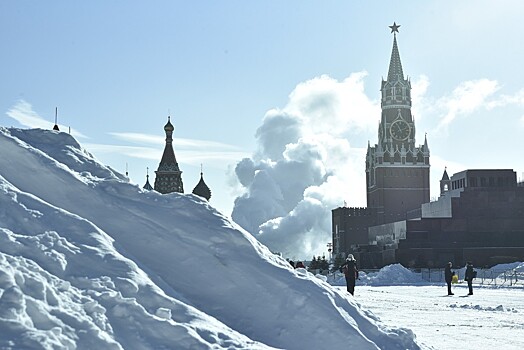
column 492, row 318
column 90, row 261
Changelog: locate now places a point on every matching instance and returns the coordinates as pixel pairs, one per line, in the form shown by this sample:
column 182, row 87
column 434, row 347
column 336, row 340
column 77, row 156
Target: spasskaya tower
column 397, row 172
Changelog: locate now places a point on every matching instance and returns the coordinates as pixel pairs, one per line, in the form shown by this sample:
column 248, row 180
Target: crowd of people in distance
column 350, row 271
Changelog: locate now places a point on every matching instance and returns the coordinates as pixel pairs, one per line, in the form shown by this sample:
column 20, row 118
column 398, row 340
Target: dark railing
column 484, row 276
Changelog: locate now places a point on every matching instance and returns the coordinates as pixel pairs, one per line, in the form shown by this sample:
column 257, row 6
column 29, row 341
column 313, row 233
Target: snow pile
column 513, row 267
column 394, row 274
column 63, row 284
column 391, row 275
column 88, row 260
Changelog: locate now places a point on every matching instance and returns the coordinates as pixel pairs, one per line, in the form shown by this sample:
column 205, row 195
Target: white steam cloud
column 305, row 166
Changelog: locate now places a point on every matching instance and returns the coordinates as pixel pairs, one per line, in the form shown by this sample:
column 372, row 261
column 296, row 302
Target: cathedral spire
column 395, row 66
column 168, row 157
column 168, row 175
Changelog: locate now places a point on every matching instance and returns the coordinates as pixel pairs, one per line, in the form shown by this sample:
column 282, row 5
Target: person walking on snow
column 448, row 276
column 470, row 275
column 350, row 272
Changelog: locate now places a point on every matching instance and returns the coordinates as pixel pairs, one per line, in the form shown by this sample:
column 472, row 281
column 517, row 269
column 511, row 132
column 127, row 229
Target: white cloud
column 419, row 88
column 278, row 129
column 506, row 100
column 23, row 113
column 160, row 140
column 128, row 151
column 330, row 106
column 138, row 138
column 305, row 166
column 465, row 99
column 215, row 158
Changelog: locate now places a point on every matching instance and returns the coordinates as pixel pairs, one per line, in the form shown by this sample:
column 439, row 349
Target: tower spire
column 396, row 91
column 168, row 175
column 395, row 66
column 56, row 120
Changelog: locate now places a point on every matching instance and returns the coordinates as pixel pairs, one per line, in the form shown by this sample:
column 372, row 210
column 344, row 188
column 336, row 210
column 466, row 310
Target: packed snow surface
column 90, row 261
column 491, row 318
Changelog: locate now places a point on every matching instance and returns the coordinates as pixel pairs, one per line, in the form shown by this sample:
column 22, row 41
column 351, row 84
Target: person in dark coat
column 470, row 275
column 448, row 276
column 349, row 268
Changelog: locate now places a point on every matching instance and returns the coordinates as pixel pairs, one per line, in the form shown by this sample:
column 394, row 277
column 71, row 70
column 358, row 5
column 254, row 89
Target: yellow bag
column 454, row 279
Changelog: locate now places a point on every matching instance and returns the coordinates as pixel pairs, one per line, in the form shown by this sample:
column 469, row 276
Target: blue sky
column 115, row 69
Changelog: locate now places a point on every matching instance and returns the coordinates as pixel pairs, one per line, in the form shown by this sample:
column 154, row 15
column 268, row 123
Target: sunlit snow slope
column 88, row 260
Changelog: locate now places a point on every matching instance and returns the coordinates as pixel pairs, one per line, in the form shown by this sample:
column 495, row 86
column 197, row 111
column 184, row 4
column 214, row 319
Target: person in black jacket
column 470, row 275
column 448, row 275
column 349, row 268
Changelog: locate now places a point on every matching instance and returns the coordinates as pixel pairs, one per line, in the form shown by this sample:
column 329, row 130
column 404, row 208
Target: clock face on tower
column 400, row 130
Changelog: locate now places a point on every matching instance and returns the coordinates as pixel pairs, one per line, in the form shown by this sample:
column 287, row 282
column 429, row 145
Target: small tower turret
column 445, row 182
column 147, row 186
column 201, row 188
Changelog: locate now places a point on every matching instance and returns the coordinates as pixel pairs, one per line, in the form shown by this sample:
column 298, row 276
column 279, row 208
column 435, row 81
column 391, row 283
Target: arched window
column 410, row 158
column 387, row 157
column 397, row 157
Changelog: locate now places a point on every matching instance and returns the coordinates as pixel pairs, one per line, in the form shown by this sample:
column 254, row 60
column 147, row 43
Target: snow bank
column 395, row 274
